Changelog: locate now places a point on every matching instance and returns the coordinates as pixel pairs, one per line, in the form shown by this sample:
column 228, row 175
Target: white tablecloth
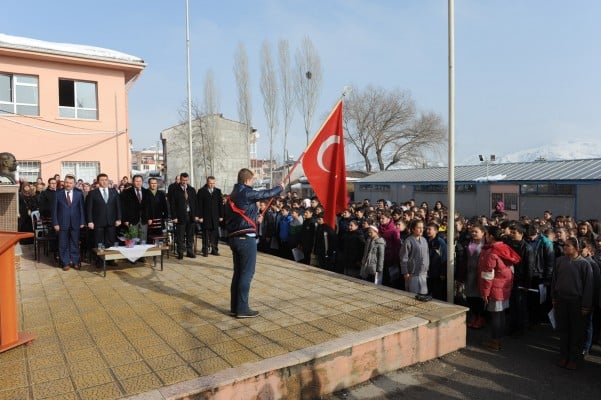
column 132, row 253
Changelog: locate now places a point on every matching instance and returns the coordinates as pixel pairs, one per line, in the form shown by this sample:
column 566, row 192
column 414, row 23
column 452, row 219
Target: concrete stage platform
column 141, row 333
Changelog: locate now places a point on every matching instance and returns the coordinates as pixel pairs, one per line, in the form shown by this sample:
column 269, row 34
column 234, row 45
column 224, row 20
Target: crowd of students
column 519, row 269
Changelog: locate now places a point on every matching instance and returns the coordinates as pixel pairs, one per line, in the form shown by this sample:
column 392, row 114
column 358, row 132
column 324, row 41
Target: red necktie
column 68, row 197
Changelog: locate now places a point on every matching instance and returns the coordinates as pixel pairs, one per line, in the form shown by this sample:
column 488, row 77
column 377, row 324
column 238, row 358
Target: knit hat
column 375, row 228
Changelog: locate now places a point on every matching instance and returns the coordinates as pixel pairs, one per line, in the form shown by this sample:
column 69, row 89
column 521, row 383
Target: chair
column 43, row 237
column 157, row 230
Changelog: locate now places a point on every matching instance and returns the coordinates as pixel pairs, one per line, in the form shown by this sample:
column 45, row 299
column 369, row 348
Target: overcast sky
column 528, row 72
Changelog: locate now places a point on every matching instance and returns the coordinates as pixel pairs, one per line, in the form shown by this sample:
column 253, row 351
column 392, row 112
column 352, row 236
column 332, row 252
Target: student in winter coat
column 351, row 251
column 415, row 259
column 472, row 251
column 391, row 236
column 307, row 235
column 437, row 273
column 496, row 281
column 572, row 296
column 372, row 264
column 326, row 244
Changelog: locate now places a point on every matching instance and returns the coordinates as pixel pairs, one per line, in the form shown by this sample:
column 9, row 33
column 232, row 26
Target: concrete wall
column 223, row 157
column 587, row 202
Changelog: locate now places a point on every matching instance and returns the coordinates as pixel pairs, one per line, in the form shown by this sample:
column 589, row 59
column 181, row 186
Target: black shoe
column 215, row 253
column 191, row 255
column 205, row 254
column 180, row 256
column 249, row 314
column 232, row 313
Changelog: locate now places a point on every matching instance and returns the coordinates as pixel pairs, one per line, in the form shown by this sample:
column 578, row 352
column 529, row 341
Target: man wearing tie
column 182, row 201
column 68, row 218
column 103, row 212
column 210, row 214
column 135, row 205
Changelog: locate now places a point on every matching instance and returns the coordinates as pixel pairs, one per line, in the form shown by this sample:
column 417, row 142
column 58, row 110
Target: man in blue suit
column 68, row 218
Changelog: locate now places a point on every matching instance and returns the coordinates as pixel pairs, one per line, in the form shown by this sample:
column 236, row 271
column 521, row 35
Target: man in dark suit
column 182, row 201
column 135, row 206
column 68, row 218
column 158, row 209
column 210, row 214
column 103, row 212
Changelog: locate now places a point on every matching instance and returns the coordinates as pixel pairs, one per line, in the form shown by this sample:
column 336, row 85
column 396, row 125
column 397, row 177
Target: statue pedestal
column 9, row 207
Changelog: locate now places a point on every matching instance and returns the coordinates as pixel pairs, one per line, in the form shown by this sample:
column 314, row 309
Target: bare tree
column 308, row 80
column 208, row 128
column 244, row 94
column 286, row 91
column 269, row 90
column 385, row 125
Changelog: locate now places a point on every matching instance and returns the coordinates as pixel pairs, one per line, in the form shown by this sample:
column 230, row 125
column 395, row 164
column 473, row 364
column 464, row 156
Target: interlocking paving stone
column 49, row 374
column 140, row 383
column 91, row 378
column 139, row 329
column 130, row 370
column 14, row 394
column 108, row 391
column 53, row 388
column 165, row 362
column 241, row 357
column 176, row 374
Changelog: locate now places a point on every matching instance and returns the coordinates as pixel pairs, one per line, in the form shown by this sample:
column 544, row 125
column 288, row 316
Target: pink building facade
column 63, row 108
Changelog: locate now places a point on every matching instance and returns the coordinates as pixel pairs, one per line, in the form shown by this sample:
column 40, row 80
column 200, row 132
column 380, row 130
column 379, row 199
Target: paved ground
column 524, row 369
column 140, row 329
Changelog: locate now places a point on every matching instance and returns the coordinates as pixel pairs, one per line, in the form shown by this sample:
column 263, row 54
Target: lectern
column 9, row 324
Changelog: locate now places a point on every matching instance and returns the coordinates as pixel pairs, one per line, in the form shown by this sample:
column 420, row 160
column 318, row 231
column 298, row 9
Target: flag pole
column 300, row 158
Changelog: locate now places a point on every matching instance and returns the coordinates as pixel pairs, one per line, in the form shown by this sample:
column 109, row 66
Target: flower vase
column 129, row 243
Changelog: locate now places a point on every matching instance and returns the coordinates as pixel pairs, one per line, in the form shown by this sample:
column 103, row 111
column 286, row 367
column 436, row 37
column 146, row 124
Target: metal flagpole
column 189, row 93
column 451, row 185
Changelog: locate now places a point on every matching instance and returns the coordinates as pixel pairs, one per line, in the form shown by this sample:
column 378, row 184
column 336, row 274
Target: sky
column 527, row 73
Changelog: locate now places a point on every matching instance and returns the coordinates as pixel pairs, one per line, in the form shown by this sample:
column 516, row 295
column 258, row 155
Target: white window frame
column 29, row 169
column 75, row 168
column 76, row 109
column 14, row 103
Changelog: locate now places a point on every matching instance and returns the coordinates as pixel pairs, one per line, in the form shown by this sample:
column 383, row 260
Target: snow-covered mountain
column 576, row 150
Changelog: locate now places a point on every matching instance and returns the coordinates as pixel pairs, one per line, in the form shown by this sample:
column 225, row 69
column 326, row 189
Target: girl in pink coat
column 495, row 270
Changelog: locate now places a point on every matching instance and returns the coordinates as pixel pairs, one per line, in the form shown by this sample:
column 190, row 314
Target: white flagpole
column 451, row 184
column 189, row 93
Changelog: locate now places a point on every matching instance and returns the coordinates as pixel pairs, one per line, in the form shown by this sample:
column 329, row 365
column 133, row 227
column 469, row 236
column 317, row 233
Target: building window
column 374, row 188
column 29, row 170
column 19, row 94
column 548, row 189
column 84, row 170
column 77, row 99
column 467, row 188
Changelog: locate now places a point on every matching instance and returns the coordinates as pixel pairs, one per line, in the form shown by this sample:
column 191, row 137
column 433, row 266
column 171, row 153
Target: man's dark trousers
column 244, row 251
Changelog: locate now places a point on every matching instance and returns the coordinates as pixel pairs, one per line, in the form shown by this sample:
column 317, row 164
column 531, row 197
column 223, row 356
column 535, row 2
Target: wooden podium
column 9, row 325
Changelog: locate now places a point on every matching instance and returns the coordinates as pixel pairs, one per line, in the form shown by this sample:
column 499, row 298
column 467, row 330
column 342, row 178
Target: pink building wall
column 52, row 139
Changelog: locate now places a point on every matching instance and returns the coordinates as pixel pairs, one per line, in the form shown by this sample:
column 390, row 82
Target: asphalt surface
column 524, row 369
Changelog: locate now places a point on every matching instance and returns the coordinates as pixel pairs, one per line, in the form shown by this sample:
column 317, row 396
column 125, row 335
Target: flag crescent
column 322, row 149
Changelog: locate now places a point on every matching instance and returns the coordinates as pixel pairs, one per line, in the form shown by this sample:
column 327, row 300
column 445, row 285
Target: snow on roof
column 66, row 48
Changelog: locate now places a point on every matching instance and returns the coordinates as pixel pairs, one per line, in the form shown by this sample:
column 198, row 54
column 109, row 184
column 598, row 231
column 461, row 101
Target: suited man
column 46, row 200
column 68, row 218
column 182, row 202
column 158, row 208
column 135, row 206
column 210, row 214
column 103, row 212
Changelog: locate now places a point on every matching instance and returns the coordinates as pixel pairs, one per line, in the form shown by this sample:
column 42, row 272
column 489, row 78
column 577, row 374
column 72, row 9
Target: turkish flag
column 325, row 167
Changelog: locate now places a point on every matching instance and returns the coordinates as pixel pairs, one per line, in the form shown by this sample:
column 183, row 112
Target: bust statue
column 8, row 166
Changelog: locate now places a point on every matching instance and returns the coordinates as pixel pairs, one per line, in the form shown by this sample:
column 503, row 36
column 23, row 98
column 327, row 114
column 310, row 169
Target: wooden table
column 108, row 255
